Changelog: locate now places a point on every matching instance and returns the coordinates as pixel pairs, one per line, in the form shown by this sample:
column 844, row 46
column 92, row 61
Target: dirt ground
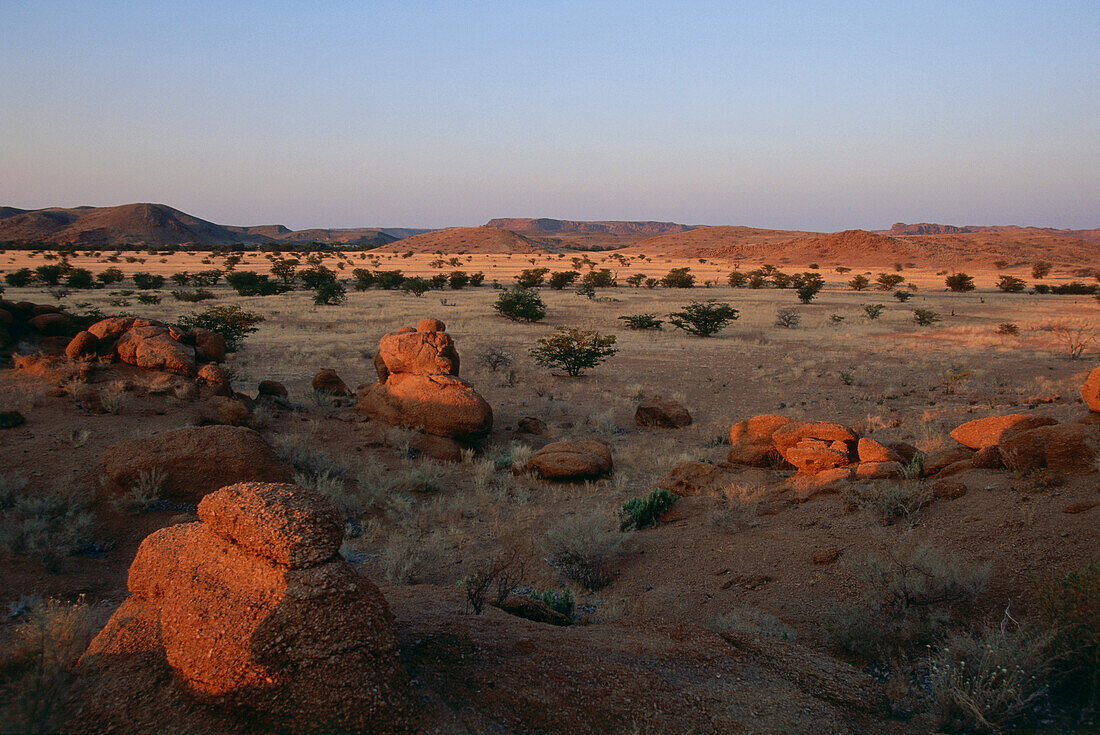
column 734, row 555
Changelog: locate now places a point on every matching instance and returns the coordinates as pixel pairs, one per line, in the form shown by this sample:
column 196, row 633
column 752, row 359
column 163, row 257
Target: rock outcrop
column 661, row 412
column 195, row 461
column 255, row 612
column 421, row 388
column 571, row 461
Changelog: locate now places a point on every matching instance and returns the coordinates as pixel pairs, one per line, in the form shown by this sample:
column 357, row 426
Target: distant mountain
column 129, row 224
column 158, row 225
column 554, row 226
column 461, row 240
column 926, row 228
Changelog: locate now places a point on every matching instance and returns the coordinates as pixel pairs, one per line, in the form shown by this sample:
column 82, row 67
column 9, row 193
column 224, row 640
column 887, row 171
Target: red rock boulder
column 1090, row 391
column 419, row 353
column 444, row 405
column 155, row 348
column 988, row 432
column 751, row 440
column 571, row 461
column 661, row 412
column 83, row 346
column 195, row 461
column 254, row 611
column 1062, row 447
column 327, row 381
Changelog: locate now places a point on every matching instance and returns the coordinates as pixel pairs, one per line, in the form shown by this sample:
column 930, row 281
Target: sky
column 803, row 115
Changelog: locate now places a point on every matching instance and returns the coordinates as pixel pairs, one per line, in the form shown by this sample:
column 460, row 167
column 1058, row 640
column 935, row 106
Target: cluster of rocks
column 19, row 319
column 418, row 387
column 254, row 611
column 148, row 344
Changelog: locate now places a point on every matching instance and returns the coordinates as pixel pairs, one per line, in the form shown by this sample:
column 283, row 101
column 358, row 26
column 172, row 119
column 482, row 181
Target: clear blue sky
column 812, row 115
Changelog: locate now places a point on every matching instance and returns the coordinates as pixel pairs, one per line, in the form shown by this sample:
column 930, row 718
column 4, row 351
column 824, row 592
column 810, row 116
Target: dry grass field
column 742, row 560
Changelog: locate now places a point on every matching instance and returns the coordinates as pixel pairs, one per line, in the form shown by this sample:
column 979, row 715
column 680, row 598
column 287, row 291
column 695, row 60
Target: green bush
column 678, row 278
column 737, row 279
column 80, row 278
column 147, row 281
column 532, row 277
column 1011, row 284
column 573, row 350
column 873, row 311
column 331, row 293
column 1075, row 288
column 560, row 279
column 925, row 317
column 642, row 321
column 19, row 278
column 316, row 277
column 560, row 602
column 389, row 280
column 476, row 279
column 889, row 281
column 231, row 322
column 903, row 296
column 520, row 304
column 602, row 278
column 250, row 283
column 641, row 512
column 1040, row 269
column 858, row 283
column 807, row 292
column 703, row 318
column 1070, row 608
column 416, row 285
column 959, row 282
column 191, row 297
column 50, row 274
column 364, row 279
column 458, row 280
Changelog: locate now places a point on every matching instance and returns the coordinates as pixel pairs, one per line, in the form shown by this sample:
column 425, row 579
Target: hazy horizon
column 430, row 115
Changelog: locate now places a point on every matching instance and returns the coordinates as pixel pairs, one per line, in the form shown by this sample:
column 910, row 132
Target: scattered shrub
column 642, row 321
column 330, row 293
column 859, row 282
column 80, row 278
column 494, row 357
column 1040, row 269
column 458, row 280
column 703, row 318
column 1075, row 288
column 1070, row 608
column 364, row 279
column 415, row 285
column 889, row 281
column 231, row 322
column 148, row 298
column 641, row 512
column 191, row 297
column 874, row 311
column 678, row 278
column 520, row 304
column 583, row 550
column 903, row 296
column 560, row 602
column 925, row 317
column 49, row 274
column 250, row 283
column 573, row 350
column 532, row 277
column 560, row 279
column 807, row 292
column 911, row 594
column 1011, row 284
column 737, row 279
column 1008, row 329
column 600, row 278
column 147, row 281
column 19, row 278
column 788, row 318
column 959, row 282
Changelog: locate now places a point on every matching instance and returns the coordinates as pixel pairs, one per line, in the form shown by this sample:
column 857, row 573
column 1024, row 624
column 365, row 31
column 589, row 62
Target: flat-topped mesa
column 254, row 610
column 418, row 386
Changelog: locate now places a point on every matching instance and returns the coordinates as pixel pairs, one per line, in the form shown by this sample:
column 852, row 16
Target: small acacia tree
column 703, row 318
column 858, row 283
column 573, row 350
column 959, row 282
column 520, row 304
column 1011, row 284
column 231, row 322
column 561, row 279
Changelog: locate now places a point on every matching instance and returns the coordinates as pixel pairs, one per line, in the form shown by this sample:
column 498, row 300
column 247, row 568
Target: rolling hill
column 555, row 226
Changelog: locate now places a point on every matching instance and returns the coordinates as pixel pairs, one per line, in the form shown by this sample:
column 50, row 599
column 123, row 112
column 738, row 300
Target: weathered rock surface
column 1062, row 447
column 689, row 478
column 154, row 348
column 1090, row 390
column 988, row 432
column 661, row 412
column 419, row 353
column 751, row 440
column 195, row 461
column 327, row 381
column 444, row 405
column 254, row 611
column 571, row 461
